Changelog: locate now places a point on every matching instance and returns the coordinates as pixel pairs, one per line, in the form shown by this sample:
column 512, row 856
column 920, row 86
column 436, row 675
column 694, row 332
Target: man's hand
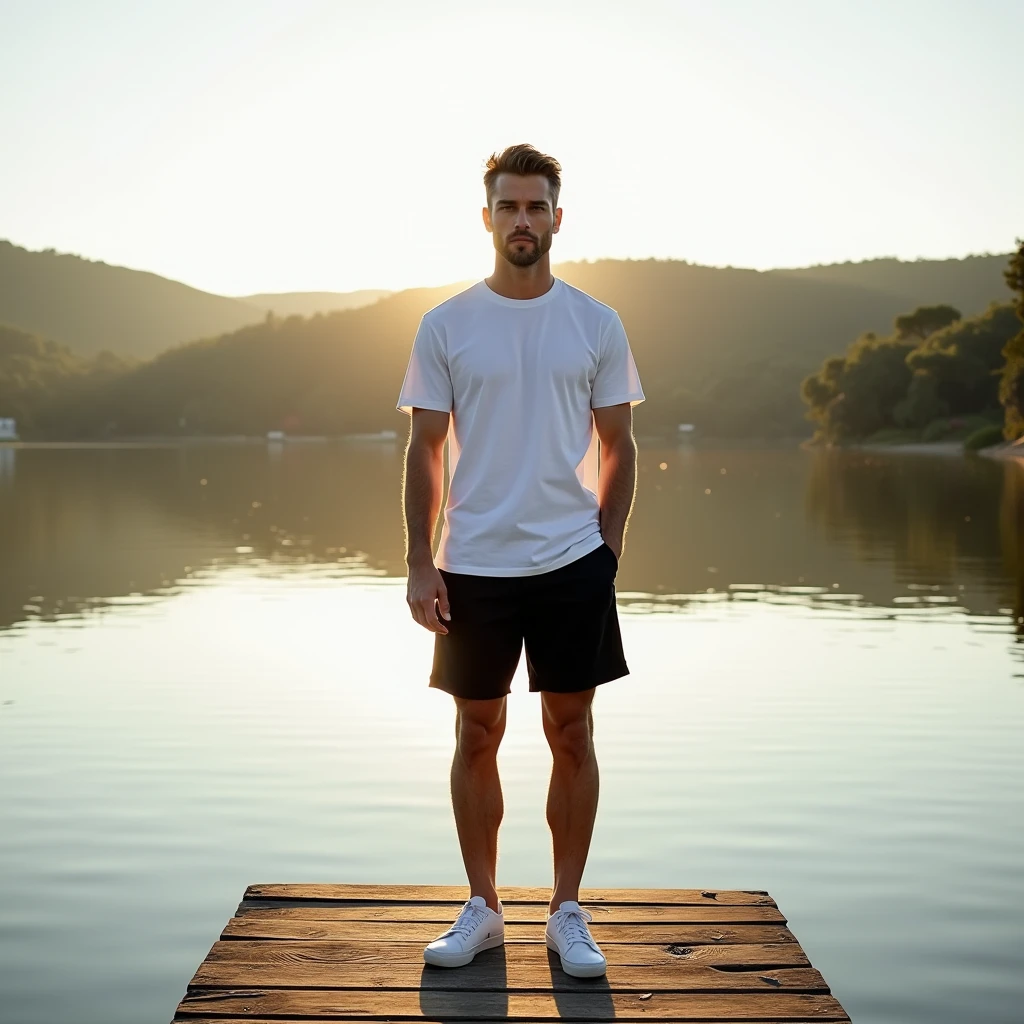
column 425, row 588
column 616, row 547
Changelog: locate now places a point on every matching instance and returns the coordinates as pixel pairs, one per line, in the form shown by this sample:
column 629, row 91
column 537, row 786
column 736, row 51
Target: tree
column 1011, row 384
column 855, row 395
column 45, row 386
column 875, row 379
column 964, row 360
column 922, row 403
column 820, row 390
column 924, row 321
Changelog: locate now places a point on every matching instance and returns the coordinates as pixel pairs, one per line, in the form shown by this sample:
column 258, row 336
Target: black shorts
column 566, row 617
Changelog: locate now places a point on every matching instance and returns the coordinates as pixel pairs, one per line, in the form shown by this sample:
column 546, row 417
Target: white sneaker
column 568, row 935
column 477, row 927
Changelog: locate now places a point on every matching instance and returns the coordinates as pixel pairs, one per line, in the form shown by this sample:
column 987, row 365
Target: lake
column 209, row 678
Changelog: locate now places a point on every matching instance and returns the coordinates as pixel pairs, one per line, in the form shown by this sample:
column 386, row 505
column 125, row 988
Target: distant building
column 7, row 430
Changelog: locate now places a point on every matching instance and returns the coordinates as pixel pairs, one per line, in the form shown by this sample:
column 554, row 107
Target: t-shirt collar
column 504, row 300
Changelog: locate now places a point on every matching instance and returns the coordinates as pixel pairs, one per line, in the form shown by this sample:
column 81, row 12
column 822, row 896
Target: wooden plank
column 591, row 1007
column 752, row 955
column 253, row 926
column 497, row 973
column 421, row 1020
column 524, row 913
column 508, row 894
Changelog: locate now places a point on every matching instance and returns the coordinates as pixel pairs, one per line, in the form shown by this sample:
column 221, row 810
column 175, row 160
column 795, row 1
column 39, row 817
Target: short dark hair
column 523, row 159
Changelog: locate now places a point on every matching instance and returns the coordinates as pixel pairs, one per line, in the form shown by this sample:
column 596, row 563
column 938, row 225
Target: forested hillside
column 90, row 305
column 723, row 348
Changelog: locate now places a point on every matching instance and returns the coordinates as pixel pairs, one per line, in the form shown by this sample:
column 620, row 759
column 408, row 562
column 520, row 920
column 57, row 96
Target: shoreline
column 660, row 440
column 1005, row 450
column 173, row 440
column 913, row 447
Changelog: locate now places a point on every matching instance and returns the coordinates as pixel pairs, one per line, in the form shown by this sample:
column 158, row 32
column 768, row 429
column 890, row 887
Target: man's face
column 521, row 218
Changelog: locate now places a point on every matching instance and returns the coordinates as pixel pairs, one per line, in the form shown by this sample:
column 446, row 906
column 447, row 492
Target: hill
column 964, row 283
column 309, row 303
column 726, row 349
column 92, row 306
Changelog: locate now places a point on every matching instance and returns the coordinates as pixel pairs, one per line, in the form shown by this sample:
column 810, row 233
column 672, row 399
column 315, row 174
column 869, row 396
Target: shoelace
column 571, row 925
column 468, row 919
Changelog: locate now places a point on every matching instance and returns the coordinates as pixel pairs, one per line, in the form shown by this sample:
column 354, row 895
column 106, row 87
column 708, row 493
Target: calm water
column 209, row 678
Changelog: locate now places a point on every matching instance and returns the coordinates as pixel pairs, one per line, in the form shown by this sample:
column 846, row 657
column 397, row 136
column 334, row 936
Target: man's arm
column 423, row 486
column 617, row 476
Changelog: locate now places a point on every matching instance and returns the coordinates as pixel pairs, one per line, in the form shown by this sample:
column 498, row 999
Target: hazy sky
column 250, row 145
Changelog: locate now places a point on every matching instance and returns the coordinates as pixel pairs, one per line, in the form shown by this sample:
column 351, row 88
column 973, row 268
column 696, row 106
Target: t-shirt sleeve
column 616, row 379
column 427, row 384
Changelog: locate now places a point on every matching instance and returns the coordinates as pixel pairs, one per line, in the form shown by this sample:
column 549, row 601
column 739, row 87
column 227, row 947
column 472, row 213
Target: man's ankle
column 554, row 904
column 491, row 897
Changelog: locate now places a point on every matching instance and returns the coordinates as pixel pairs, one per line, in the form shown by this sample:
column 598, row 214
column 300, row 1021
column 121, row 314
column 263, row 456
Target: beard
column 527, row 256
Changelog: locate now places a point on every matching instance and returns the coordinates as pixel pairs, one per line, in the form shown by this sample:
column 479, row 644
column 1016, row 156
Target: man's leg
column 476, row 790
column 572, row 795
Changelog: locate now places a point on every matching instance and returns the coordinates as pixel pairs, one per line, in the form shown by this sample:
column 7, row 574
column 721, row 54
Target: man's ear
column 558, row 220
column 486, row 214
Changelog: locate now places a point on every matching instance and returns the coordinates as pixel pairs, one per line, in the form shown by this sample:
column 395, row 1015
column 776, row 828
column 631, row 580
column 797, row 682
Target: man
column 522, row 374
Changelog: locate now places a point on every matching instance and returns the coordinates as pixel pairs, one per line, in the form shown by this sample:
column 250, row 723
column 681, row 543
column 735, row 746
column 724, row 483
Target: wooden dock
column 348, row 953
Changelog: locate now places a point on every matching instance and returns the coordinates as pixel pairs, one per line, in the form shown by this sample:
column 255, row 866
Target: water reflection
column 82, row 527
column 934, row 520
column 1011, row 522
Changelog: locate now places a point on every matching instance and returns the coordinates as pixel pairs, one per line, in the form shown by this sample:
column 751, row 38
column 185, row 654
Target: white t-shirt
column 521, row 378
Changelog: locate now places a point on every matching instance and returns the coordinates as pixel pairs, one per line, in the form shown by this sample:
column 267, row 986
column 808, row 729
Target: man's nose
column 522, row 220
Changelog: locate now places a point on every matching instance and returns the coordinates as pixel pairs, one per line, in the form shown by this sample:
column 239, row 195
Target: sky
column 245, row 146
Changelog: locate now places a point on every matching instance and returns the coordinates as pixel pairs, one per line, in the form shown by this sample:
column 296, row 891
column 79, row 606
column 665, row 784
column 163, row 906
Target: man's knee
column 569, row 725
column 479, row 727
